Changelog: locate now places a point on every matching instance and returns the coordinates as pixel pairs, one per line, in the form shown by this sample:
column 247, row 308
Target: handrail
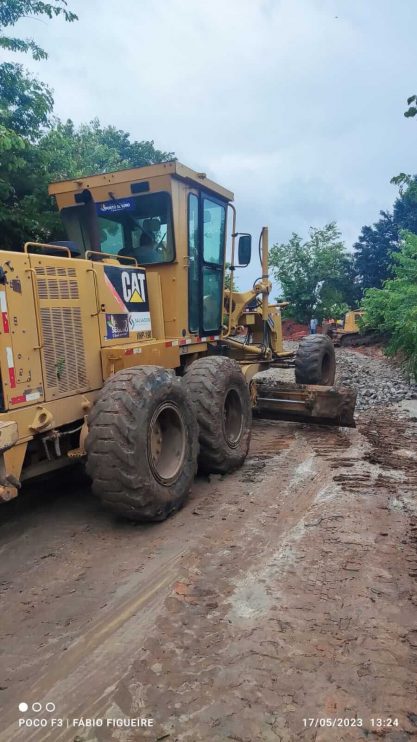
column 37, row 308
column 232, row 269
column 62, row 248
column 95, row 281
column 110, row 255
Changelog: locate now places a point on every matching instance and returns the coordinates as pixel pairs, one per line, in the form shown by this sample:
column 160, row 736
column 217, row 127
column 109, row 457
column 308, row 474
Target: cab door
column 206, row 246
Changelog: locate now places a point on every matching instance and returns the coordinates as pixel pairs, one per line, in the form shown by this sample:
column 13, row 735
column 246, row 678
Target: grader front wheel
column 142, row 444
column 222, row 405
column 315, row 361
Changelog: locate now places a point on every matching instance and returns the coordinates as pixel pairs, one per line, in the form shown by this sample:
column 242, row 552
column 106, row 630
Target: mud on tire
column 315, row 361
column 142, row 444
column 222, row 405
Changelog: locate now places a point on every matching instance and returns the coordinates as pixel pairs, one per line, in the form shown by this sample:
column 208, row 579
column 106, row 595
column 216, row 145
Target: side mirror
column 244, row 250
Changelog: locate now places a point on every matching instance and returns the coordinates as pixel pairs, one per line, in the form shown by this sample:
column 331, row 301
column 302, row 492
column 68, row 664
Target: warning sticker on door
column 129, row 288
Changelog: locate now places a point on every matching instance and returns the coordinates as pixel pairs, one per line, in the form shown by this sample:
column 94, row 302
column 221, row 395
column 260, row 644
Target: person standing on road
column 313, row 326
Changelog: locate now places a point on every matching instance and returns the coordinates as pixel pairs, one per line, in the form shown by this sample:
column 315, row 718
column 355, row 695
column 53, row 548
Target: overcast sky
column 295, row 105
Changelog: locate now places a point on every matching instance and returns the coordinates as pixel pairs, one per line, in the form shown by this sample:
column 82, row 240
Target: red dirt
column 292, row 330
column 283, row 592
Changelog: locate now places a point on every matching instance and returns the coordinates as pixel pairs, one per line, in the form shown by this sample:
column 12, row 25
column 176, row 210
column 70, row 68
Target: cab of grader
column 122, row 346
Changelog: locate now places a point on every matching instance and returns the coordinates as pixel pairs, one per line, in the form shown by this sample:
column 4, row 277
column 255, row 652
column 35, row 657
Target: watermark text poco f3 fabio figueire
column 44, row 716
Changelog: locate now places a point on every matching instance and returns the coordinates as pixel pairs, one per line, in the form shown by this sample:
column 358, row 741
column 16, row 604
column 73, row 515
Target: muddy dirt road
column 281, row 594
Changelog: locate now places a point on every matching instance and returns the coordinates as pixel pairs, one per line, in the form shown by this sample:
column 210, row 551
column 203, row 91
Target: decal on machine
column 4, row 312
column 128, row 285
column 117, row 326
column 115, row 206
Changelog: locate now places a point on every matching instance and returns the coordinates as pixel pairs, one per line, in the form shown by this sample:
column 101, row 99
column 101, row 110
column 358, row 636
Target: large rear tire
column 315, row 361
column 142, row 444
column 222, row 405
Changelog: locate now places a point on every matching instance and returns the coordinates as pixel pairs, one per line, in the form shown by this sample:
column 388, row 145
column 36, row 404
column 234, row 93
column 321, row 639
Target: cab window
column 139, row 227
column 212, row 299
column 75, row 221
column 214, row 228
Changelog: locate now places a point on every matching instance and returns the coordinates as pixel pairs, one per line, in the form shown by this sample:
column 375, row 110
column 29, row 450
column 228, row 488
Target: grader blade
column 322, row 405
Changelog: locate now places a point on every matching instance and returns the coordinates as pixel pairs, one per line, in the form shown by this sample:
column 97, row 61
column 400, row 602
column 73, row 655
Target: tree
column 317, row 276
column 404, row 179
column 393, row 309
column 411, row 110
column 65, row 151
column 377, row 244
column 12, row 10
column 25, row 110
column 228, row 276
column 373, row 251
column 71, row 152
column 405, row 207
column 35, row 151
column 25, row 103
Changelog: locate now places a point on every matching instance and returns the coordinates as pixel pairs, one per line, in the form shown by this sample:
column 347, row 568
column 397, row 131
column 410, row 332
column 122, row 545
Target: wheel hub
column 232, row 418
column 166, row 443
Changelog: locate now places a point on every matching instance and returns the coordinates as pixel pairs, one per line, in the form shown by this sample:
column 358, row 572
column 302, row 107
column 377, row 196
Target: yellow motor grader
column 347, row 332
column 122, row 346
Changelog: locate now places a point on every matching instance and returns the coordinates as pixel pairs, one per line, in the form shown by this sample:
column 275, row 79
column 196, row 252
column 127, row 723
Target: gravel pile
column 378, row 381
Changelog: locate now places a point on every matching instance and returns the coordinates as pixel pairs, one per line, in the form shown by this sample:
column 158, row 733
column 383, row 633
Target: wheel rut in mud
column 284, row 591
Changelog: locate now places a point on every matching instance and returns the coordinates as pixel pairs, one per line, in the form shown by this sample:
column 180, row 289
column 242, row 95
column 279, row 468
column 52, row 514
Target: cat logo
column 128, row 288
column 133, row 287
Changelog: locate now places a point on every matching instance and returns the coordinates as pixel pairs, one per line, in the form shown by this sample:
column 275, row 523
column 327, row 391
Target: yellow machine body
column 75, row 313
column 346, row 331
column 351, row 321
column 66, row 326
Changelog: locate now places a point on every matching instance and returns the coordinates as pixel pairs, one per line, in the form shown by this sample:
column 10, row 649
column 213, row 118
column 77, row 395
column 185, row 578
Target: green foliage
column 25, row 103
column 411, row 110
column 19, row 213
column 373, row 251
column 12, row 150
column 402, row 180
column 71, row 152
column 13, row 10
column 377, row 245
column 35, row 150
column 10, row 140
column 393, row 309
column 65, row 151
column 316, row 276
column 25, row 109
column 227, row 278
column 405, row 208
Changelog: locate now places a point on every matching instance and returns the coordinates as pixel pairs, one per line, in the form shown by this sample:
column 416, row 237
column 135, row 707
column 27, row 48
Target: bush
column 393, row 309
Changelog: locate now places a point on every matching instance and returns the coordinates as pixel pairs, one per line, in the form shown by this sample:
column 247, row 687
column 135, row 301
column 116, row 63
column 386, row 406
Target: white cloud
column 295, row 105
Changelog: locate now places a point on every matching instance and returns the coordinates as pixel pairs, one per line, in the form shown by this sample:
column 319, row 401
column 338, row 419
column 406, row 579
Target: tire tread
column 118, row 480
